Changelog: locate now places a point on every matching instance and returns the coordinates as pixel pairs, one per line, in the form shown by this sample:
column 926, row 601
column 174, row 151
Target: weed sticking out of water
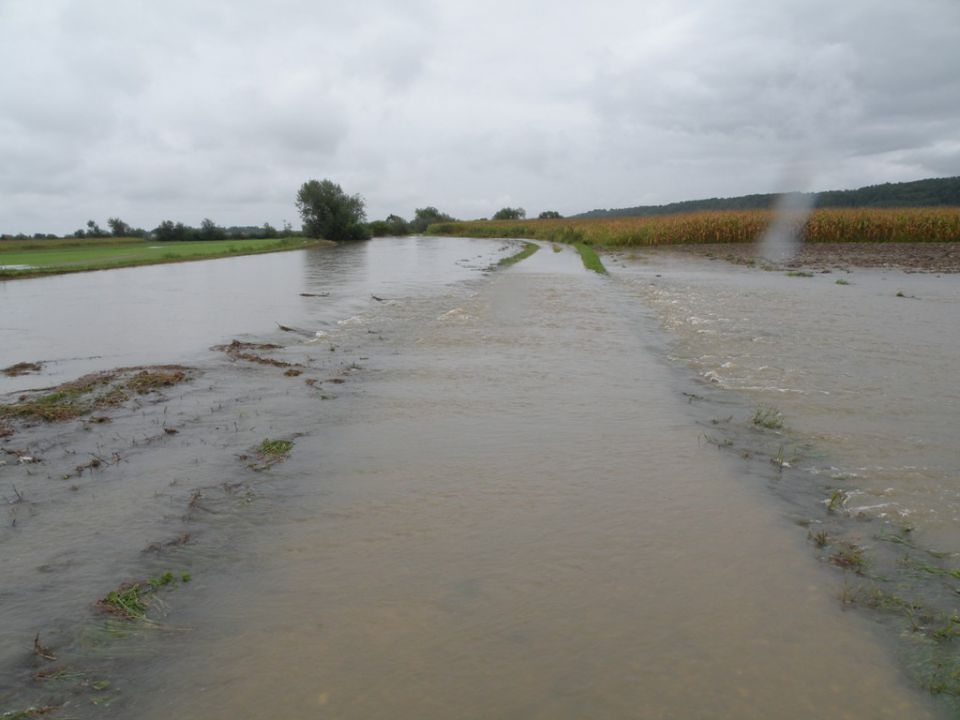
column 841, row 281
column 779, row 460
column 799, row 273
column 849, row 557
column 820, row 538
column 528, row 250
column 836, row 501
column 591, row 261
column 556, row 248
column 768, row 417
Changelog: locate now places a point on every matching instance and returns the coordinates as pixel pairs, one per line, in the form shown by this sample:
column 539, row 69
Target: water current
column 499, row 501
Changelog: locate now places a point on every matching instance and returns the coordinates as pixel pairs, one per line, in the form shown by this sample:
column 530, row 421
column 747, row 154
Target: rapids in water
column 535, row 492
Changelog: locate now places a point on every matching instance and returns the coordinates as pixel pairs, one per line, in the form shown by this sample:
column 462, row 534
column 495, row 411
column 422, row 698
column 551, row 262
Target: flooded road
column 498, row 503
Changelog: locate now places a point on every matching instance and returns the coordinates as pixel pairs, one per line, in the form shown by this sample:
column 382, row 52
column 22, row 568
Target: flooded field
column 494, row 495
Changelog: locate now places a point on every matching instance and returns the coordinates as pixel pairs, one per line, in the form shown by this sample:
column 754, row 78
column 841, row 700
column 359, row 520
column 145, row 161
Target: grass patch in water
column 768, row 417
column 849, row 557
column 799, row 273
column 126, row 602
column 528, row 250
column 836, row 501
column 841, row 281
column 591, row 261
column 274, row 448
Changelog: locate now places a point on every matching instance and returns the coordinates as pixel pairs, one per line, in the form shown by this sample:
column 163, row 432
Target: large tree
column 328, row 212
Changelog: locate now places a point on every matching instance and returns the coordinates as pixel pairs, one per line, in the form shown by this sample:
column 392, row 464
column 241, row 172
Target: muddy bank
column 940, row 257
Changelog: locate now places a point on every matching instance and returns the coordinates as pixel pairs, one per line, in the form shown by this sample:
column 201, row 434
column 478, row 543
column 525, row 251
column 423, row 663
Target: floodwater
column 173, row 313
column 498, row 504
column 866, row 370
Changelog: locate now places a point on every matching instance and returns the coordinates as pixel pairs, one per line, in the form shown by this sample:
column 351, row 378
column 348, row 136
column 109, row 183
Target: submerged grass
column 21, row 368
column 591, row 261
column 528, row 250
column 131, row 601
column 96, row 391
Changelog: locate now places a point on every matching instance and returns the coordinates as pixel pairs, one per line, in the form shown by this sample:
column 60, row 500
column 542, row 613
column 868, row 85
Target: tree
column 393, row 226
column 167, row 231
column 509, row 213
column 118, row 228
column 549, row 215
column 396, row 225
column 424, row 217
column 269, row 231
column 328, row 212
column 209, row 230
column 94, row 230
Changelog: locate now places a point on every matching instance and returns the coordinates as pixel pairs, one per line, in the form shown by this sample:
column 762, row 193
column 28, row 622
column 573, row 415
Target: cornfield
column 940, row 224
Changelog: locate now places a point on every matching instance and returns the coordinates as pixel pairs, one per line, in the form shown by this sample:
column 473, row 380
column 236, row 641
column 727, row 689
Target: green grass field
column 29, row 258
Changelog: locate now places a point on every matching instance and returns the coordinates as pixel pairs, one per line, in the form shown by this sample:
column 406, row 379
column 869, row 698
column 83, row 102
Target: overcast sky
column 185, row 109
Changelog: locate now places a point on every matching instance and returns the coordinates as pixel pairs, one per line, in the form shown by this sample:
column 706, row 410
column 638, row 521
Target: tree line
column 326, row 210
column 931, row 192
column 329, row 212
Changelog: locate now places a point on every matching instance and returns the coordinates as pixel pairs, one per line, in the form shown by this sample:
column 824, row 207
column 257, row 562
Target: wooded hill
column 919, row 193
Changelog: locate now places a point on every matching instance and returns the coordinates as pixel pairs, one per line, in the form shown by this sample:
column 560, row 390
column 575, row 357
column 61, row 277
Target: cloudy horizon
column 185, row 110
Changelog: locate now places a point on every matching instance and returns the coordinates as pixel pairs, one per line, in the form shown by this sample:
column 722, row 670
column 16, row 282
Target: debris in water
column 22, row 368
column 41, row 650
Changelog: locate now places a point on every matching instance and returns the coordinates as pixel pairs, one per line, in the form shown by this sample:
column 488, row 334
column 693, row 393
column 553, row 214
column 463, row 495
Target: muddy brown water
column 503, row 507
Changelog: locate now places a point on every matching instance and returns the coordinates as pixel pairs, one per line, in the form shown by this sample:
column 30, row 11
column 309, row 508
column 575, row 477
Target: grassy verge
column 50, row 257
column 528, row 250
column 828, row 225
column 591, row 261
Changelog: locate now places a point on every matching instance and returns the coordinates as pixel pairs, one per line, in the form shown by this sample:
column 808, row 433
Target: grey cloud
column 183, row 109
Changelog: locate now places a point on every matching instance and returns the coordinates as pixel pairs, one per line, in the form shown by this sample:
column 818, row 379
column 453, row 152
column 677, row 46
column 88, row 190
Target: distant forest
column 919, row 193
